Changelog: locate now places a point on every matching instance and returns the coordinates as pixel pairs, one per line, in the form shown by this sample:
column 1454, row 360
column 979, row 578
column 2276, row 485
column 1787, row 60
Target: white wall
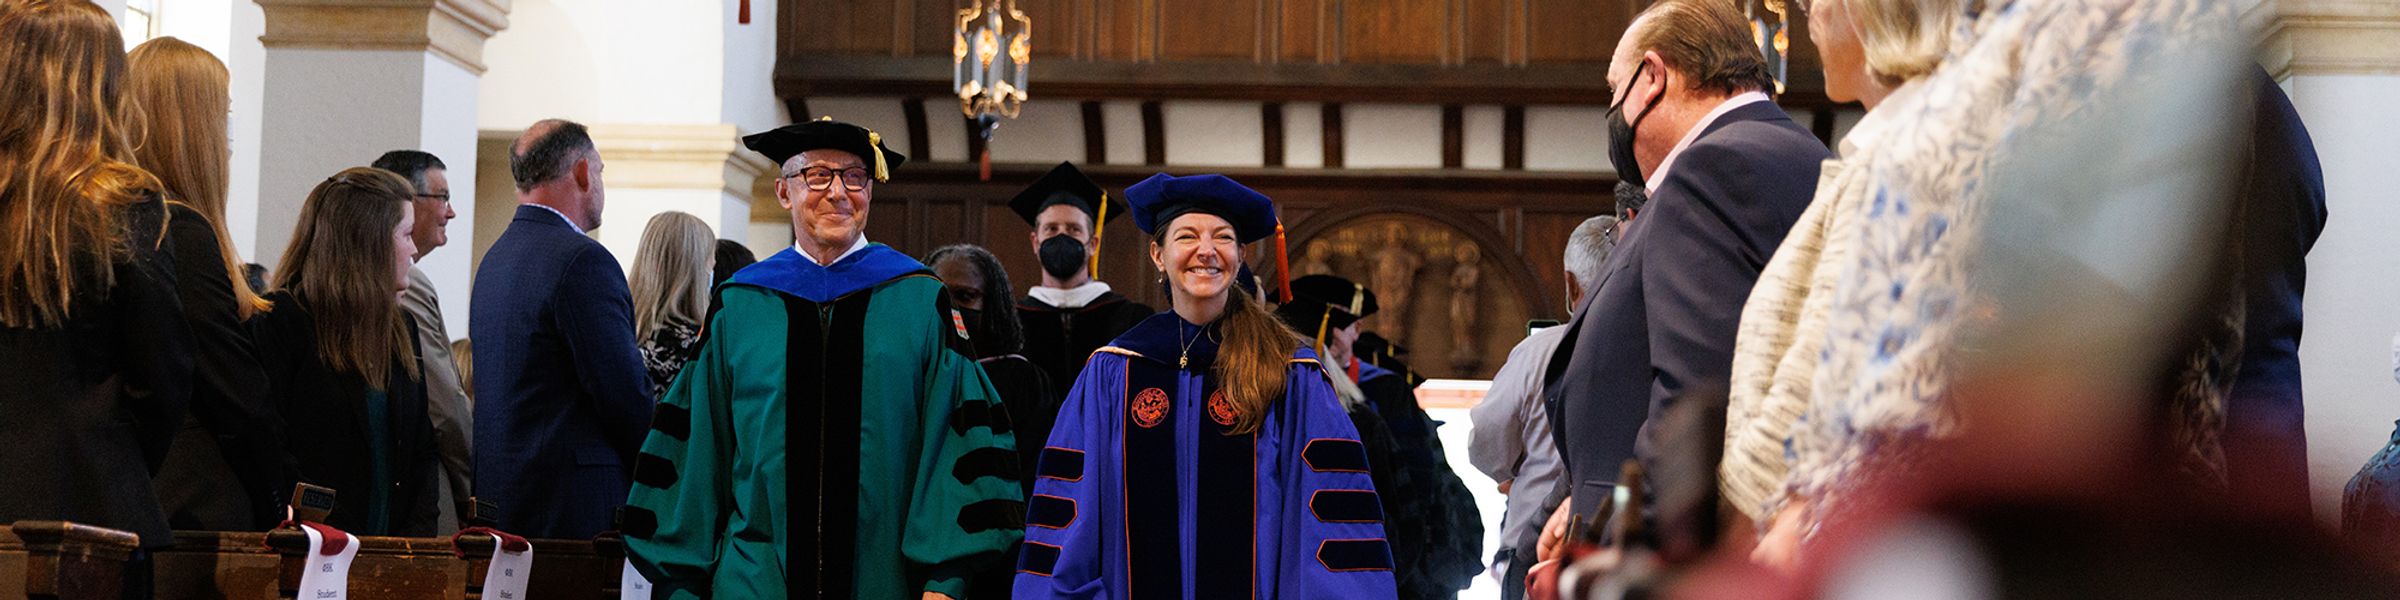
column 204, row 23
column 1566, row 138
column 2353, row 304
column 1212, row 134
column 247, row 59
column 749, row 59
column 546, row 64
column 451, row 137
column 317, row 130
column 1044, row 131
column 1391, row 136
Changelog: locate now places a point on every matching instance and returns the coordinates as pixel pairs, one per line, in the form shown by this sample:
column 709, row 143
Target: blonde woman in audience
column 98, row 361
column 670, row 293
column 226, row 463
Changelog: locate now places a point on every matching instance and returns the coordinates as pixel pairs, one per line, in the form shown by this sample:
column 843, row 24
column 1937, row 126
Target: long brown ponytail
column 1253, row 359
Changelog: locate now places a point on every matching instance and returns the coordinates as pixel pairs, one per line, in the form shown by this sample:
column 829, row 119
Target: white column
column 697, row 169
column 667, row 113
column 346, row 81
column 2341, row 61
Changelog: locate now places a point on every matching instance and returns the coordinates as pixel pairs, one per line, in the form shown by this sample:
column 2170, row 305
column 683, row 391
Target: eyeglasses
column 821, row 178
column 445, row 198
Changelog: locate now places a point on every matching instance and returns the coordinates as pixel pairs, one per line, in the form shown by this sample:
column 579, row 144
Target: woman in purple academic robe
column 1203, row 453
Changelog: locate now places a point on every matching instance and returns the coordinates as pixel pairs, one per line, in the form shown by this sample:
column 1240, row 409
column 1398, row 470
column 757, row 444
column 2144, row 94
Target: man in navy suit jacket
column 1728, row 173
column 562, row 398
column 2279, row 214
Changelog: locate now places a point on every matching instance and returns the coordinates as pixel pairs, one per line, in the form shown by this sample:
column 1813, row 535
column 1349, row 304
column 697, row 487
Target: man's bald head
column 556, row 165
column 547, row 151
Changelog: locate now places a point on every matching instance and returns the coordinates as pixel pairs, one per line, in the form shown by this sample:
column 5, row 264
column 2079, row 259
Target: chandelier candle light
column 988, row 65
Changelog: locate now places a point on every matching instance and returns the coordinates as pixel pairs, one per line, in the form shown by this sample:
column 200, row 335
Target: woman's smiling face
column 1200, row 254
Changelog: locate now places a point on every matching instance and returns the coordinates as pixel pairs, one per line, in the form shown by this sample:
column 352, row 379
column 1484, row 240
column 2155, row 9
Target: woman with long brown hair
column 1203, row 453
column 227, row 460
column 341, row 357
column 97, row 371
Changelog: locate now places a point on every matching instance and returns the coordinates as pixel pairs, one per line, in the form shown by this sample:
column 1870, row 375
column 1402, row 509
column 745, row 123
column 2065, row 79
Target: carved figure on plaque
column 1314, row 259
column 1394, row 277
column 1466, row 288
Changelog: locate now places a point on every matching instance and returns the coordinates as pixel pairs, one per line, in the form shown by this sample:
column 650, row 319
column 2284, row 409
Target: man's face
column 433, row 213
column 836, row 215
column 1062, row 219
column 597, row 201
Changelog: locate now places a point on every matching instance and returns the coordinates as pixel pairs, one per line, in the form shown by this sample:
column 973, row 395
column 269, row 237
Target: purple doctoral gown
column 1141, row 494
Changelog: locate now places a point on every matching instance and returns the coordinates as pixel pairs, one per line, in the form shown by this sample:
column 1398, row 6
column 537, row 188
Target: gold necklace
column 1185, row 362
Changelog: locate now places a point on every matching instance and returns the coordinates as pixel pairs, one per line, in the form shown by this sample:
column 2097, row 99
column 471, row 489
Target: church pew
column 46, row 560
column 562, row 569
column 266, row 566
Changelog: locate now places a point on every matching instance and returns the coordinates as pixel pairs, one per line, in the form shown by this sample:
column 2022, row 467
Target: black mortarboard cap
column 1067, row 185
column 782, row 143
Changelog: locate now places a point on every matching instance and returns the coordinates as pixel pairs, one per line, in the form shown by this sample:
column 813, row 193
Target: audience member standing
column 445, row 398
column 342, row 361
column 1511, row 435
column 97, row 351
column 1871, row 51
column 670, row 293
column 563, row 401
column 1727, row 173
column 2282, row 211
column 227, row 465
column 1070, row 312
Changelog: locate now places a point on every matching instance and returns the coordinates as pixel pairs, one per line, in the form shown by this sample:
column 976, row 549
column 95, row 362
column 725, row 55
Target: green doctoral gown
column 831, row 440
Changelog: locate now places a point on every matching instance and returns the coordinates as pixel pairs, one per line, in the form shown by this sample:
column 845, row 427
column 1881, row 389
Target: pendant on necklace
column 1184, row 362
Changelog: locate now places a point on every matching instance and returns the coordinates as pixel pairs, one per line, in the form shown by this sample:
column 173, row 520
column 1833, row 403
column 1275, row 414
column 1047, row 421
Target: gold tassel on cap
column 1099, row 226
column 875, row 147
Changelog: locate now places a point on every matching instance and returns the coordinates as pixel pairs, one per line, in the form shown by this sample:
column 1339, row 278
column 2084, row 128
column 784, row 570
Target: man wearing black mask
column 1070, row 314
column 1726, row 173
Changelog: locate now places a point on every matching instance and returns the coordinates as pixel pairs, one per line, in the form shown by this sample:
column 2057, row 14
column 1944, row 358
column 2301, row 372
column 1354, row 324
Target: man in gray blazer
column 445, row 399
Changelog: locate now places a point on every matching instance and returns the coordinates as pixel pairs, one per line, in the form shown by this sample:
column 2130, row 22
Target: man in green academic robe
column 833, row 439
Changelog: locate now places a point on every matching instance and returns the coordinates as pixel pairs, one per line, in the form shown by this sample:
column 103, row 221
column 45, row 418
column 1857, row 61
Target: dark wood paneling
column 1512, row 137
column 818, row 26
column 1122, row 30
column 1575, row 31
column 975, row 141
column 944, row 219
column 1454, row 136
column 1095, row 134
column 920, row 141
column 1413, row 51
column 1545, row 252
column 1302, row 31
column 1270, row 126
column 1486, row 28
column 797, row 107
column 1330, row 121
column 1154, row 133
column 1394, row 31
column 888, row 216
column 1565, row 84
column 1208, row 29
column 1061, row 28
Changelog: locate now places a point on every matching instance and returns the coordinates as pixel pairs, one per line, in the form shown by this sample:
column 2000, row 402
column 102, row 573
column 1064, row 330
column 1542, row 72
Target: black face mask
column 1620, row 132
column 1062, row 256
